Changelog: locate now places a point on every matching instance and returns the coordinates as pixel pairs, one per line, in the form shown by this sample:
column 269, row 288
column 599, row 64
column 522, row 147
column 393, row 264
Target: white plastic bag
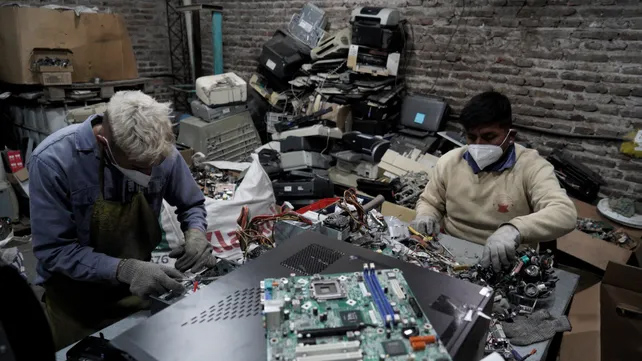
column 255, row 191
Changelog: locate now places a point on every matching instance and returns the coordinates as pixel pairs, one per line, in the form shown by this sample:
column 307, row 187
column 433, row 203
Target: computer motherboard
column 370, row 315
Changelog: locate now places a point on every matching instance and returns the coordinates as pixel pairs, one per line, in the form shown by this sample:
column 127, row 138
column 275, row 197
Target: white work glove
column 196, row 253
column 146, row 278
column 425, row 225
column 500, row 247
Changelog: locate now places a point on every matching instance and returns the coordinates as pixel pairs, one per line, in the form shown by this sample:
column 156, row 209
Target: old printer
column 378, row 28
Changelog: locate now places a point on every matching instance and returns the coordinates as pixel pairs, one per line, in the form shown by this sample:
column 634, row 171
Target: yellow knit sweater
column 472, row 206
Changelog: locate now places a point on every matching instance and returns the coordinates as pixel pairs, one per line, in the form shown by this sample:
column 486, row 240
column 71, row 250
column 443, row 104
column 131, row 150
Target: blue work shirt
column 506, row 161
column 63, row 186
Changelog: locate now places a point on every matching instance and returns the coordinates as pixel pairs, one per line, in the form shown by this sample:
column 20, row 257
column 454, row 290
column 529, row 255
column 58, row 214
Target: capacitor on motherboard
column 315, row 311
column 286, row 315
column 388, row 333
column 382, row 357
column 323, row 317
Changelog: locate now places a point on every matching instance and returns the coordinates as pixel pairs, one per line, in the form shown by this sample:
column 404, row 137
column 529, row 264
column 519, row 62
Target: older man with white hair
column 96, row 191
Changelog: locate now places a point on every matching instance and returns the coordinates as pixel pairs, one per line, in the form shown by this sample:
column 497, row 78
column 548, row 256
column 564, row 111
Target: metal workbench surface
column 470, row 253
column 466, row 252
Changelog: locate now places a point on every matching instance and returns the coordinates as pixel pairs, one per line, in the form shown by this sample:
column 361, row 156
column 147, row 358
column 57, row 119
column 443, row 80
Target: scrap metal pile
column 411, row 187
column 606, row 232
column 216, row 184
column 518, row 289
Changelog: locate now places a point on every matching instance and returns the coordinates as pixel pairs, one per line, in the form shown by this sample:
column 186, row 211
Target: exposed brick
column 545, row 105
column 616, row 46
column 624, row 92
column 596, row 88
column 586, row 107
column 635, row 112
column 534, row 82
column 574, row 87
column 637, row 92
column 588, row 77
column 564, row 106
column 523, row 63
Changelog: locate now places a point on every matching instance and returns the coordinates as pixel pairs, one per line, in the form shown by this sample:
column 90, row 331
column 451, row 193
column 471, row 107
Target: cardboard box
column 20, row 180
column 596, row 251
column 583, row 341
column 55, row 78
column 621, row 313
column 100, row 44
column 395, row 210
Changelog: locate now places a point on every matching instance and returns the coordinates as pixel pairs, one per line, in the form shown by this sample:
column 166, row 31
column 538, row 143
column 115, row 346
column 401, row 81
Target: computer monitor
column 422, row 115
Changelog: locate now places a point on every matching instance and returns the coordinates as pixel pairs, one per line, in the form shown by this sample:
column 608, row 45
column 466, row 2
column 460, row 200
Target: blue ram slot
column 382, row 296
column 375, row 296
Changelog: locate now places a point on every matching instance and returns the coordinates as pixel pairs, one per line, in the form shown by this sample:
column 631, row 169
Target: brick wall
column 147, row 25
column 567, row 65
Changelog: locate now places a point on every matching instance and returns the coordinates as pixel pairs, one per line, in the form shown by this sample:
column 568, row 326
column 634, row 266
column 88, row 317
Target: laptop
column 421, row 118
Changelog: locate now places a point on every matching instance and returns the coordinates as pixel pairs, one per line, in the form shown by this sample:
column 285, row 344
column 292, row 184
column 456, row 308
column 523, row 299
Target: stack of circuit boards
column 370, row 315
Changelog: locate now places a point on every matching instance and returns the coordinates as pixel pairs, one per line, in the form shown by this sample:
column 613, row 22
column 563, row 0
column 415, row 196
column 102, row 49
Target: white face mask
column 486, row 154
column 139, row 178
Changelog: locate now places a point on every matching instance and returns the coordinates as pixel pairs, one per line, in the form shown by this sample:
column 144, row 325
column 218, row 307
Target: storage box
column 621, row 313
column 583, row 341
column 221, row 89
column 99, row 43
column 595, row 251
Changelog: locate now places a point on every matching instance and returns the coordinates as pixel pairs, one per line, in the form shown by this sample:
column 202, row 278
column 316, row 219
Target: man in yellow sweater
column 494, row 192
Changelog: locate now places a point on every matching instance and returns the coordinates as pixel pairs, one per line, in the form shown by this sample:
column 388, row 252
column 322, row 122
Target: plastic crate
column 233, row 138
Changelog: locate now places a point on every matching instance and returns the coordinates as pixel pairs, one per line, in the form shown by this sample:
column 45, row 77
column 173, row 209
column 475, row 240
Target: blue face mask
column 139, row 178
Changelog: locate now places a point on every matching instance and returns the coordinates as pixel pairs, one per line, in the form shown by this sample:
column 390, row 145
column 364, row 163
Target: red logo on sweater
column 503, row 203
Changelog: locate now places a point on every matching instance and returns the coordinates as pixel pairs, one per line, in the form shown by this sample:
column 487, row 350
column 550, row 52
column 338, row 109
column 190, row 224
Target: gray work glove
column 196, row 253
column 146, row 278
column 539, row 326
column 425, row 225
column 500, row 247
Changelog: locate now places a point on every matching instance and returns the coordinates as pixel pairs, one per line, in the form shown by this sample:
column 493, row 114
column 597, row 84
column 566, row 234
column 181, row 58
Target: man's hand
column 196, row 253
column 146, row 278
column 500, row 247
column 425, row 225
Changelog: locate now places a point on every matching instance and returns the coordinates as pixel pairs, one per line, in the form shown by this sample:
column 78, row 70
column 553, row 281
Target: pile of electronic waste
column 606, row 232
column 215, row 183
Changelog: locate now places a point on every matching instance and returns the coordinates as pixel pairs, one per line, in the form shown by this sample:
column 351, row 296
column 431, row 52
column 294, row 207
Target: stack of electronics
column 222, row 126
column 377, row 39
column 354, row 70
column 304, row 177
column 359, row 158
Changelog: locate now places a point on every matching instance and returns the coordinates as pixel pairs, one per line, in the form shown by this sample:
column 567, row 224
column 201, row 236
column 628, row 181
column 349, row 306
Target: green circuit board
column 370, row 315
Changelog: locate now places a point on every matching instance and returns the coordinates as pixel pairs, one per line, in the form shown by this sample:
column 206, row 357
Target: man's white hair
column 140, row 126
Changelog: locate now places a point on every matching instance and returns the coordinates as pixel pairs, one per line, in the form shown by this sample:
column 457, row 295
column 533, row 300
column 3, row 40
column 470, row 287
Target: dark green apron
column 119, row 229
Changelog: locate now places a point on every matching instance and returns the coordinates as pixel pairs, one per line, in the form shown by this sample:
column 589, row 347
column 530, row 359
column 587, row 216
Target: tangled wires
column 350, row 199
column 254, row 230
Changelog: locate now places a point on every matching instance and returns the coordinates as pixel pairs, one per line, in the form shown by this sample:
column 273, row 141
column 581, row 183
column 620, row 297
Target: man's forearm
column 77, row 262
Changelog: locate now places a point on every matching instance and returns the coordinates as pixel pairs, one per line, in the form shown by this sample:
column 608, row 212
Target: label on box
column 305, row 25
column 287, row 189
column 270, row 64
column 354, row 50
